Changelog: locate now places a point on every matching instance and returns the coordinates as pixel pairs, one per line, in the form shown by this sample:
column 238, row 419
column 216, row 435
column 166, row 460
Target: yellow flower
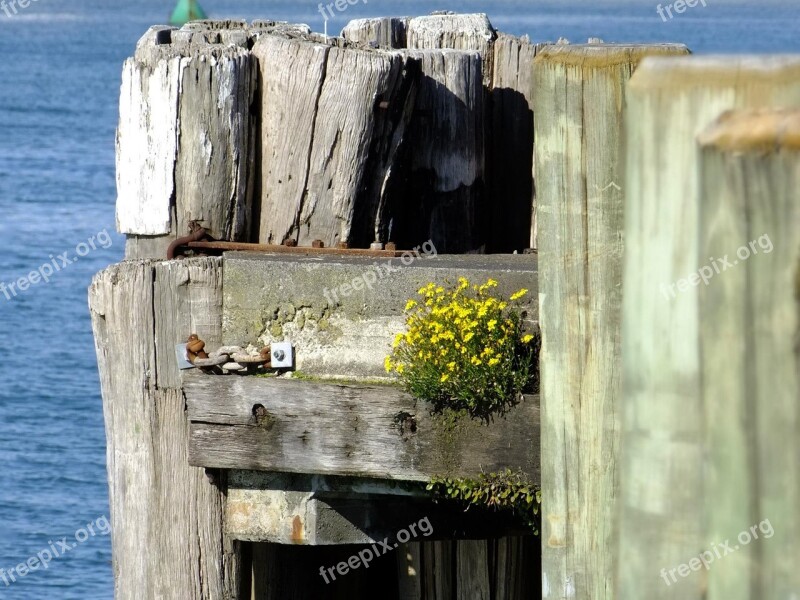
column 493, row 361
column 400, row 369
column 527, row 339
column 397, row 339
column 444, row 378
column 469, row 336
column 410, row 304
column 387, row 364
column 476, row 361
column 451, row 365
column 492, row 324
column 519, row 294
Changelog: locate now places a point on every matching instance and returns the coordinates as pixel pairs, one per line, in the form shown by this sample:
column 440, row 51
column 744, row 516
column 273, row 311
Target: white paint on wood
column 147, row 146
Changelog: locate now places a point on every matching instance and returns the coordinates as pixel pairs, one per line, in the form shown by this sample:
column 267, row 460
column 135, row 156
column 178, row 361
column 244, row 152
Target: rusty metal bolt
column 342, row 245
column 195, row 348
column 317, row 244
column 391, row 247
column 290, row 242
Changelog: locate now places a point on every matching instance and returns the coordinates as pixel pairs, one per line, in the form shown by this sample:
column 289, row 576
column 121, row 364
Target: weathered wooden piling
column 749, row 326
column 168, row 539
column 578, row 92
column 268, row 131
column 381, row 32
column 337, row 102
column 669, row 231
column 185, row 140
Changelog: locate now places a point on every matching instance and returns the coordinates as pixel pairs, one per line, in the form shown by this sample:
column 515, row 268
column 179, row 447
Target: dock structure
column 277, row 185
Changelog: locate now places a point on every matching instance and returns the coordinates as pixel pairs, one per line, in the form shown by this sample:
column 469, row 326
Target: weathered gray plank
column 437, row 567
column 322, row 428
column 168, row 540
column 314, row 170
column 382, row 32
column 215, row 166
column 578, row 106
column 185, row 139
column 444, row 196
column 669, row 101
column 749, row 316
column 472, row 567
column 510, row 145
column 457, row 32
column 409, row 571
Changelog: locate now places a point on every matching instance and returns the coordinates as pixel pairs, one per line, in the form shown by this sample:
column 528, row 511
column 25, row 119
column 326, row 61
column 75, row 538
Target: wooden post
column 168, row 539
column 457, row 32
column 670, row 101
column 749, row 321
column 323, row 111
column 381, row 32
column 185, row 144
column 578, row 105
column 509, row 156
column 444, row 201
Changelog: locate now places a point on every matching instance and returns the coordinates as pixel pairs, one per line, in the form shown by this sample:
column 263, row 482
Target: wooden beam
column 578, row 93
column 364, row 431
column 662, row 473
column 749, row 332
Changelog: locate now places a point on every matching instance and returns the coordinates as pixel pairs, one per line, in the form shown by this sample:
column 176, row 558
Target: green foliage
column 465, row 349
column 500, row 491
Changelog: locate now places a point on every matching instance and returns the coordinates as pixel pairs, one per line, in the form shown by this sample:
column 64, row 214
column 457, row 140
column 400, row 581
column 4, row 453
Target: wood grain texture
column 167, row 535
column 670, row 101
column 749, row 326
column 381, row 32
column 457, row 32
column 472, row 570
column 510, row 145
column 185, row 142
column 578, row 105
column 215, row 166
column 321, row 428
column 444, row 198
column 313, row 170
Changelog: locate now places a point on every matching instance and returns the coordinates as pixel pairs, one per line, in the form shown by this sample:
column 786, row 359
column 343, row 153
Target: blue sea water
column 59, row 82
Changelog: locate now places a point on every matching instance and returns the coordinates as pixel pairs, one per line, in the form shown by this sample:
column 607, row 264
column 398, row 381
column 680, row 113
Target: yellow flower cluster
column 463, row 346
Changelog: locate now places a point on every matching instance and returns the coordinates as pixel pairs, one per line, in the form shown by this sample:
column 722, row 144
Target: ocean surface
column 59, row 83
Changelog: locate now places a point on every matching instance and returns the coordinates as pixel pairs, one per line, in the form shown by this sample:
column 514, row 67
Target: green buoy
column 187, row 10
